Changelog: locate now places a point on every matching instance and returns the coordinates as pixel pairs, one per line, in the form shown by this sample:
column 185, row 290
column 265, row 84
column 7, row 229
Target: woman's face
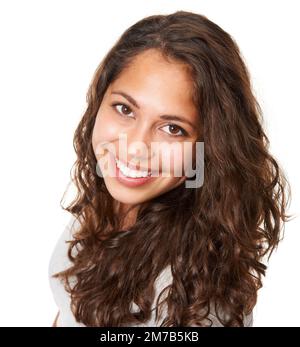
column 154, row 88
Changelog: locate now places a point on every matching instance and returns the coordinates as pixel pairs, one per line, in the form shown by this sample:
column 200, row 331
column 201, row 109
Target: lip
column 134, row 167
column 131, row 181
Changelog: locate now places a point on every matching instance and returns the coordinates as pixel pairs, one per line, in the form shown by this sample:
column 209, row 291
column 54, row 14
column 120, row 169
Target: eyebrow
column 163, row 116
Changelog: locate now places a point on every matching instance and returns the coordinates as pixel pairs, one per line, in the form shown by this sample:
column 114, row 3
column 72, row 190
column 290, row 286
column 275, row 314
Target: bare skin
column 159, row 87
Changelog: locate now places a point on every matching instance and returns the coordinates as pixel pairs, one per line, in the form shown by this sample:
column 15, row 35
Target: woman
column 146, row 249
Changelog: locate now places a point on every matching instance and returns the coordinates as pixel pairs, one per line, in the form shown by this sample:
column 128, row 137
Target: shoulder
column 165, row 278
column 59, row 258
column 60, row 261
column 72, row 226
column 248, row 319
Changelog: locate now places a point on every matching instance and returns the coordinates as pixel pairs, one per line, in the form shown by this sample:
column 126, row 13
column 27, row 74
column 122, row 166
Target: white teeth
column 129, row 172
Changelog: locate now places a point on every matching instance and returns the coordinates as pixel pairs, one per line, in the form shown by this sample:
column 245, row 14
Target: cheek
column 179, row 158
column 172, row 161
column 105, row 129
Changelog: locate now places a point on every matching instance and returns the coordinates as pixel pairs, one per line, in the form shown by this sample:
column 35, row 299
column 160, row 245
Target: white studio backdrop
column 49, row 52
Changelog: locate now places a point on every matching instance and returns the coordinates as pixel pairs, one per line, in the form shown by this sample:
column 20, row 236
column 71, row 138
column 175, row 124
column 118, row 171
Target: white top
column 59, row 261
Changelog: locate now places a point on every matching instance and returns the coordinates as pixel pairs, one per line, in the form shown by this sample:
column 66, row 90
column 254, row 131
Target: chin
column 126, row 195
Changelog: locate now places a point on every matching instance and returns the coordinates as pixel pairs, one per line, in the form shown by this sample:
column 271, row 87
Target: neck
column 127, row 214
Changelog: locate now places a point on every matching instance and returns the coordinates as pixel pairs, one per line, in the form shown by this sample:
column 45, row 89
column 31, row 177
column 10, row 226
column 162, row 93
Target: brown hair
column 216, row 244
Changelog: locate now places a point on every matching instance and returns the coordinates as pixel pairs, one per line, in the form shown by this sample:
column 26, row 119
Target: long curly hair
column 216, row 245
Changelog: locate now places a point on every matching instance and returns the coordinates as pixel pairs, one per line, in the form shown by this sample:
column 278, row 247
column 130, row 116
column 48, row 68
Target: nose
column 139, row 143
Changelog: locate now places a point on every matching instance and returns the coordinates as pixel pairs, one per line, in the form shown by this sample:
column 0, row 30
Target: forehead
column 152, row 80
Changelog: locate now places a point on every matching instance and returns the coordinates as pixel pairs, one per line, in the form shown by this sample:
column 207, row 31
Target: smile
column 129, row 177
column 126, row 171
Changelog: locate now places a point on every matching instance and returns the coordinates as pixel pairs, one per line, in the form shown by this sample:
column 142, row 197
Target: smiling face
column 142, row 104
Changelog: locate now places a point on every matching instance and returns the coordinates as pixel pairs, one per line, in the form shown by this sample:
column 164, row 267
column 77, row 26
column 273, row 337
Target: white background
column 49, row 52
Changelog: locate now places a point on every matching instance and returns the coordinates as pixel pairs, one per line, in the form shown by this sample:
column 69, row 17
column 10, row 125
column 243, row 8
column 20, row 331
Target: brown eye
column 175, row 130
column 124, row 110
